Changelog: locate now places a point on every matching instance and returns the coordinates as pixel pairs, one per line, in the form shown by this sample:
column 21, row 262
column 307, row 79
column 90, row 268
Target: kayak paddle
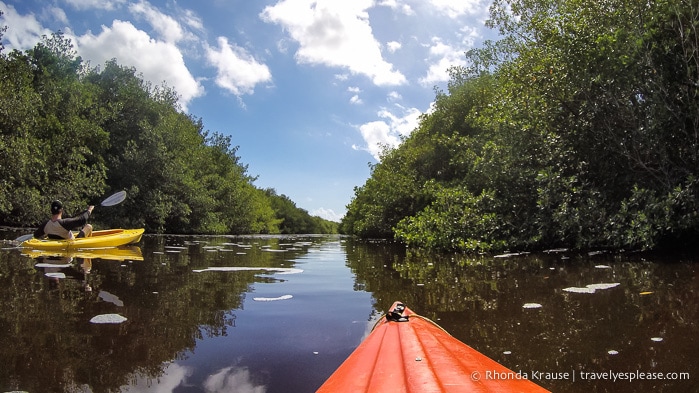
column 111, row 200
column 114, row 199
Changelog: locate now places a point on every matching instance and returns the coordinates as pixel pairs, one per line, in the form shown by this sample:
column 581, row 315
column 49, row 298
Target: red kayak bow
column 409, row 353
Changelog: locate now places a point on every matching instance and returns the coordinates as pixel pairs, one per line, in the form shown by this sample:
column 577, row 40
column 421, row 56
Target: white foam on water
column 603, row 286
column 512, row 254
column 579, row 290
column 61, row 266
column 591, row 288
column 108, row 318
column 278, row 270
column 271, row 299
column 108, row 297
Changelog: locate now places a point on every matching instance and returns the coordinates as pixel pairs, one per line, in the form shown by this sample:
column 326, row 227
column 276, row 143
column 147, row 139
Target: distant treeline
column 579, row 128
column 76, row 133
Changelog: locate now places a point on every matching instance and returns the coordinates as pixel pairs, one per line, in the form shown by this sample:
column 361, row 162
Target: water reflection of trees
column 48, row 344
column 479, row 300
column 46, row 336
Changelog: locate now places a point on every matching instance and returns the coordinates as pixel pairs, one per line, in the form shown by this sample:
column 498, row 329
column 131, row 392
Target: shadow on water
column 279, row 314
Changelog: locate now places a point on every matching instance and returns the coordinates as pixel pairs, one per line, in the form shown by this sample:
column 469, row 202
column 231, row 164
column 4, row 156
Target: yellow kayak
column 99, row 239
column 132, row 253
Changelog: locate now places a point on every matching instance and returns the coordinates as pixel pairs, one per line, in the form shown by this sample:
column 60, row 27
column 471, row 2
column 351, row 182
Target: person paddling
column 60, row 228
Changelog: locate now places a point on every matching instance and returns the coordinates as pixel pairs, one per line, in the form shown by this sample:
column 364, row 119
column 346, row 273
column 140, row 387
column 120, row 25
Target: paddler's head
column 56, row 207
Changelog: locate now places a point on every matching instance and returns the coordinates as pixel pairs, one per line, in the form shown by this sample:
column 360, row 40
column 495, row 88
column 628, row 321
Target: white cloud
column 56, row 13
column 377, row 135
column 158, row 61
column 457, row 8
column 388, row 132
column 393, row 4
column 394, row 96
column 469, row 35
column 167, row 27
column 356, row 100
column 192, row 20
column 23, row 32
column 96, row 4
column 237, row 71
column 441, row 58
column 393, row 46
column 328, row 214
column 283, row 46
column 404, row 124
column 333, row 33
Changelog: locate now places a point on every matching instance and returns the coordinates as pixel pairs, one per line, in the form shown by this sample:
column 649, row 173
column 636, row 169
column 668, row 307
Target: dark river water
column 280, row 313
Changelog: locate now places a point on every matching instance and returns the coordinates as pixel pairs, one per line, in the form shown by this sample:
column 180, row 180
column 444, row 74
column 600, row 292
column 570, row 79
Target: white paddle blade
column 115, row 199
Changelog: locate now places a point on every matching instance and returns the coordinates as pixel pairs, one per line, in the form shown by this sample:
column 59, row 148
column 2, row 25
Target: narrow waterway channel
column 280, row 313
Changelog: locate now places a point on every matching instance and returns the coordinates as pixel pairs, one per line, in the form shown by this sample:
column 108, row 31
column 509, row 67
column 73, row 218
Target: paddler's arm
column 77, row 221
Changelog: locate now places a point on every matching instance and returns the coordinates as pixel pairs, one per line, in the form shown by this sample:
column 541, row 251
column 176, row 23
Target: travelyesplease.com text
column 628, row 376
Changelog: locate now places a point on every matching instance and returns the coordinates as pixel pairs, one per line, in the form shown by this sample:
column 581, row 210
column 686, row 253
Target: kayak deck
column 98, row 239
column 409, row 353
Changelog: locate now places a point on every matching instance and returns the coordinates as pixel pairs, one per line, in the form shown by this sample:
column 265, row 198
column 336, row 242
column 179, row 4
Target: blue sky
column 308, row 89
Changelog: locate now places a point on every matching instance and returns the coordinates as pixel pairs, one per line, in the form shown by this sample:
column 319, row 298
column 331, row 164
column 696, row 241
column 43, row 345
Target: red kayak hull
column 416, row 355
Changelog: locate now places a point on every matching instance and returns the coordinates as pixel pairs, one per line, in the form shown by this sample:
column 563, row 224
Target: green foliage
column 294, row 220
column 579, row 128
column 75, row 133
column 455, row 220
column 648, row 219
column 51, row 136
